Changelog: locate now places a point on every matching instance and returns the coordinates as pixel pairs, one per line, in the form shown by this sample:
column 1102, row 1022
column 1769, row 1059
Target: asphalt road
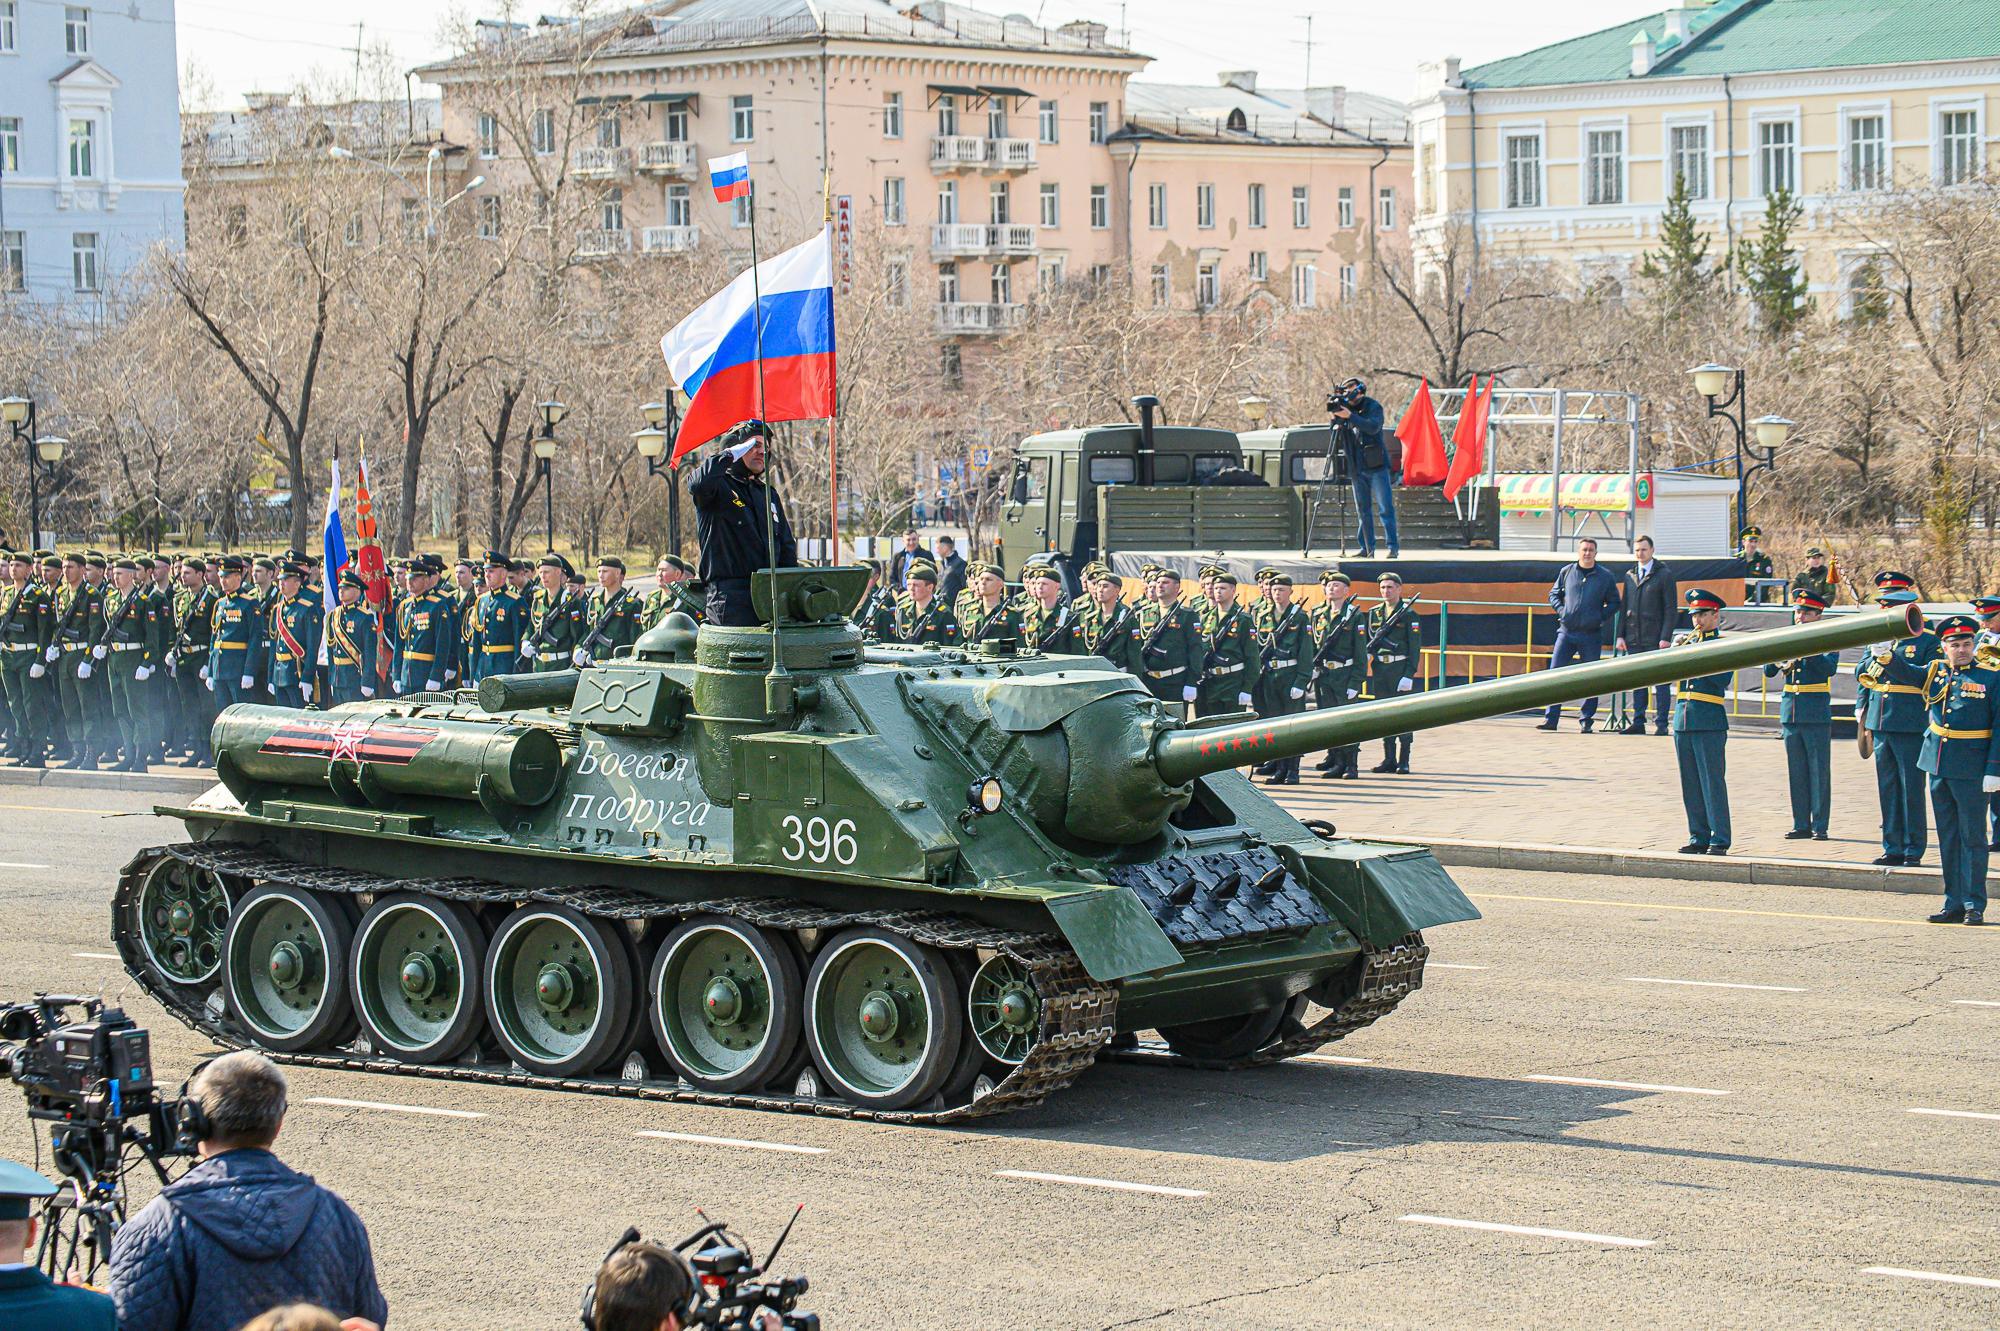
column 1615, row 1102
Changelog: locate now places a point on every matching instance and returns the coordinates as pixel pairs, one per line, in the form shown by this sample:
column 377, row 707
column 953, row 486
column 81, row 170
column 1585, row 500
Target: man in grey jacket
column 241, row 1233
column 1584, row 596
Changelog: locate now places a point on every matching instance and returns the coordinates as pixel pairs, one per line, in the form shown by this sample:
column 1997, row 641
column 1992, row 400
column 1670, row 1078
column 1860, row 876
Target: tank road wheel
column 559, row 990
column 181, row 917
column 418, row 968
column 724, row 1003
column 1003, row 1009
column 1225, row 1039
column 883, row 1017
column 285, row 968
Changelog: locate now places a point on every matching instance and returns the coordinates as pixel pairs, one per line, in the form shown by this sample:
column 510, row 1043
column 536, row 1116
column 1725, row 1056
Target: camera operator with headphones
column 1357, row 433
column 646, row 1286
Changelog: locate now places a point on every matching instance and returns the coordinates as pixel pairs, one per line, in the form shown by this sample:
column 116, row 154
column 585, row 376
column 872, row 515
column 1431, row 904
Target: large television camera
column 729, row 1293
column 91, row 1081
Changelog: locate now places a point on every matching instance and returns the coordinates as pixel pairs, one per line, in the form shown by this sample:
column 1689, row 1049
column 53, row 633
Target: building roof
column 276, row 128
column 665, row 26
column 1236, row 110
column 1761, row 36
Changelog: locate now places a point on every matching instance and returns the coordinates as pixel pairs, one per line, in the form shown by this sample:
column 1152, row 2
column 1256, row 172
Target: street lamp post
column 42, row 451
column 1712, row 381
column 552, row 413
column 663, row 420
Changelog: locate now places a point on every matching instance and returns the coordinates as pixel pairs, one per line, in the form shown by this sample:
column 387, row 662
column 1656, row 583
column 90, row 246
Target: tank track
column 1078, row 1015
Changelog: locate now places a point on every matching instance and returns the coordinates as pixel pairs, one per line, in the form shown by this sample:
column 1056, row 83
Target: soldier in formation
column 1892, row 709
column 679, row 589
column 555, row 617
column 1106, row 626
column 1805, row 720
column 1173, row 643
column 1395, row 651
column 1285, row 664
column 920, row 615
column 1339, row 668
column 350, row 645
column 1047, row 619
column 988, row 616
column 1231, row 666
column 1701, row 732
column 875, row 615
column 613, row 615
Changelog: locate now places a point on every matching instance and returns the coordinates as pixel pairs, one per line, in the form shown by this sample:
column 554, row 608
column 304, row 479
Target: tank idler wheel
column 181, row 917
column 1224, row 1039
column 1003, row 1009
column 724, row 1000
column 285, row 968
column 418, row 977
column 883, row 1017
column 559, row 990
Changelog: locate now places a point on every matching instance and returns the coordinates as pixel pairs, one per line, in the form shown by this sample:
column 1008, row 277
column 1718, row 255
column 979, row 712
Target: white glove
column 202, row 674
column 143, row 673
column 450, row 675
column 271, row 689
column 1989, row 785
column 528, row 651
column 433, row 685
column 578, row 659
column 736, row 453
column 1403, row 685
column 248, row 682
column 1242, row 700
column 1353, row 693
column 207, row 683
column 1187, row 694
column 51, row 654
column 1298, row 694
column 367, row 692
column 83, row 670
column 395, row 687
column 97, row 653
column 37, row 670
column 305, row 695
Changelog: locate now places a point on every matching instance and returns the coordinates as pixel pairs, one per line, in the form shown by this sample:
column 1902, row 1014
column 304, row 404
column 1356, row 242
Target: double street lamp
column 42, row 451
column 1712, row 381
column 552, row 413
column 662, row 424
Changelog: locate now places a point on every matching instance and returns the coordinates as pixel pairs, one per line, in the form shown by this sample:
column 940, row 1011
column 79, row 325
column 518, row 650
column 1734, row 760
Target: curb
column 1754, row 870
column 166, row 783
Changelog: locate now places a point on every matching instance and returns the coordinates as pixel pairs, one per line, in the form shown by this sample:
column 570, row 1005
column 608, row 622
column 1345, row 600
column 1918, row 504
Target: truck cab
column 1289, row 455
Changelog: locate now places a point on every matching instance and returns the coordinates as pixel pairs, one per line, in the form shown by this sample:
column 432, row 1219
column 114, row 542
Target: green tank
column 778, row 869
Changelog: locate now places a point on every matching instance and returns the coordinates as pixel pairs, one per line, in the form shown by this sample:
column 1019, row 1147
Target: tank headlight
column 983, row 796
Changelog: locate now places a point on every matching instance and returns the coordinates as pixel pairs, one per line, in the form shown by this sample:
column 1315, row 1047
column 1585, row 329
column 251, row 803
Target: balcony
column 984, row 240
column 595, row 163
column 957, row 152
column 669, row 239
column 1010, row 154
column 667, row 158
column 1012, row 239
column 602, row 244
column 958, row 317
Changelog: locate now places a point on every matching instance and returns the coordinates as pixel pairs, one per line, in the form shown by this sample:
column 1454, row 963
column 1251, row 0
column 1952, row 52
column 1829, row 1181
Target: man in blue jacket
column 1961, row 755
column 1701, row 732
column 1805, row 720
column 1584, row 596
column 241, row 1232
column 1357, row 425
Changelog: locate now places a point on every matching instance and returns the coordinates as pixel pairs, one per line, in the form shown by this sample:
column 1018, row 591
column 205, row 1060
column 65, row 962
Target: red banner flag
column 372, row 568
column 1423, row 441
column 1468, row 439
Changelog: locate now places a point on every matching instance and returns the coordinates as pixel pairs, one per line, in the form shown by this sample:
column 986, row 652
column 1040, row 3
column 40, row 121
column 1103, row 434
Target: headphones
column 682, row 1311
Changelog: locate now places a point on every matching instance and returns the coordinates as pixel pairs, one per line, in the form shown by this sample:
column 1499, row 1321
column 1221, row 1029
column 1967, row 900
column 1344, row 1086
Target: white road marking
column 700, row 1140
column 10, row 864
column 1117, row 1185
column 1957, row 1113
column 394, row 1109
column 98, row 956
column 1330, row 1058
column 1454, row 966
column 1625, row 1085
column 1718, row 984
column 1944, row 1277
column 1532, row 1231
column 1975, row 1002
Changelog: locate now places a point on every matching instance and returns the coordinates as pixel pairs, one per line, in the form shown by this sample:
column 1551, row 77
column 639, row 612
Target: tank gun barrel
column 520, row 693
column 1183, row 754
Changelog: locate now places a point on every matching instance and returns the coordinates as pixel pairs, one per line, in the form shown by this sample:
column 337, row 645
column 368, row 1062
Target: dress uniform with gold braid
column 296, row 622
column 1805, row 721
column 612, row 618
column 1895, row 717
column 1701, row 734
column 350, row 645
column 1339, row 669
column 1986, row 653
column 29, row 1299
column 498, row 625
column 133, row 647
column 26, row 628
column 1116, row 635
column 79, row 622
column 1231, row 667
column 235, row 637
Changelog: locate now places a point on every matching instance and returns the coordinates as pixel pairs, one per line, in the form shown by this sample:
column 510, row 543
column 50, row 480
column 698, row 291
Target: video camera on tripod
column 728, row 1294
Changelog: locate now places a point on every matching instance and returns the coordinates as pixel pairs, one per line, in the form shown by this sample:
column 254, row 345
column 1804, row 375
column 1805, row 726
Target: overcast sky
column 231, row 47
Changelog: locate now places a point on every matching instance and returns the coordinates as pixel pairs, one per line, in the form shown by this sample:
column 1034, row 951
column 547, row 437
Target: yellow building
column 1568, row 153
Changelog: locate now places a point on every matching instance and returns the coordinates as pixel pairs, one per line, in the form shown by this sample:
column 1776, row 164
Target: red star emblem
column 1251, row 740
column 1236, row 743
column 1270, row 737
column 1205, row 746
column 348, row 737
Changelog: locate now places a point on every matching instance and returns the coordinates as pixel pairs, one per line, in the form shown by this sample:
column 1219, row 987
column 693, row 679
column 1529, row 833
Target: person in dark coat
column 734, row 513
column 1358, row 428
column 951, row 570
column 29, row 1300
column 1584, row 596
column 241, row 1231
column 1652, row 602
column 914, row 552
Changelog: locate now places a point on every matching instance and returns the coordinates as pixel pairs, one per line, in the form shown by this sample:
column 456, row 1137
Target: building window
column 76, row 40
column 1301, row 207
column 13, row 261
column 1604, row 166
column 10, row 144
column 948, row 202
column 996, row 119
column 1156, row 207
column 742, row 119
column 1100, row 207
column 739, row 212
column 1100, row 275
column 1687, row 146
column 895, row 207
column 1777, row 156
column 1052, row 271
column 1347, row 282
column 1867, row 157
column 1385, row 208
column 9, row 11
column 542, row 133
column 1048, row 120
column 947, row 109
column 999, row 203
column 1051, row 205
column 1960, row 159
column 83, row 261
column 1207, row 287
column 677, row 123
column 1260, row 265
column 1524, row 170
column 1257, row 206
column 951, row 365
column 680, row 207
column 1305, row 286
column 1100, row 121
column 1345, row 207
column 1867, row 298
column 610, row 128
column 82, row 149
column 1204, row 206
column 489, row 134
column 1163, row 287
column 489, row 217
column 892, row 115
column 611, row 210
column 896, row 283
column 948, row 283
column 1002, row 286
column 413, row 219
column 295, row 224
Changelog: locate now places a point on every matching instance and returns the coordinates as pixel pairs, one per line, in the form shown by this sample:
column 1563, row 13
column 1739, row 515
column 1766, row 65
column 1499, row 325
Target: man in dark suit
column 913, row 552
column 951, row 570
column 1651, row 603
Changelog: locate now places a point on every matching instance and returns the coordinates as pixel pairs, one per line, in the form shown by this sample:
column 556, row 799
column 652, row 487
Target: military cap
column 1277, row 579
column 93, row 559
column 435, row 563
column 1890, row 580
column 1896, row 596
column 923, row 573
column 94, row 554
column 1389, row 575
column 1173, row 573
column 76, row 558
column 520, row 566
column 574, row 578
column 612, row 561
column 1103, row 574
column 1957, row 626
column 292, row 570
column 20, row 1188
column 1266, row 573
column 7, row 552
column 1224, row 575
column 234, row 564
column 296, row 556
column 1701, row 598
column 1038, row 569
column 1753, row 533
column 979, row 569
column 1210, row 570
column 1335, row 575
column 1150, row 570
column 1094, row 567
column 1810, row 600
column 47, row 555
column 1814, row 552
column 354, row 580
column 554, row 560
column 265, row 562
column 21, row 557
column 146, row 562
column 676, row 561
column 129, row 565
column 497, row 559
column 1986, row 605
column 195, row 562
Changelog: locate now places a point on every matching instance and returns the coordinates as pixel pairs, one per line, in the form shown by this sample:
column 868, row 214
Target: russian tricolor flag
column 730, row 175
column 712, row 354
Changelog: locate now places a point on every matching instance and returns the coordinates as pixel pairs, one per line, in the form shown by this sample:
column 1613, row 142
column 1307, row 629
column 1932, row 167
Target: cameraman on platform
column 1357, row 430
column 29, row 1300
column 241, row 1232
column 647, row 1287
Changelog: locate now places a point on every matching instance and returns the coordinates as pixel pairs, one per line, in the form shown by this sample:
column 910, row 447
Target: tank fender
column 1380, row 892
column 1113, row 933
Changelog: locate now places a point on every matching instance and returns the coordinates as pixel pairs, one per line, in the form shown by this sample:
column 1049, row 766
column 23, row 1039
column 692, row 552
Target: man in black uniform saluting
column 732, row 507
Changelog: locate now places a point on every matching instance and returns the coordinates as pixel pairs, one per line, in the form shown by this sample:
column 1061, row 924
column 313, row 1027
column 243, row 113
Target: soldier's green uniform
column 1756, row 563
column 931, row 624
column 133, row 647
column 1701, row 734
column 1171, row 650
column 1048, row 628
column 79, row 623
column 614, row 618
column 193, row 623
column 1339, row 669
column 26, row 627
column 1395, row 665
column 689, row 595
column 1285, row 666
column 1116, row 636
column 1231, row 667
column 875, row 616
column 555, row 627
column 350, row 647
column 1817, row 584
